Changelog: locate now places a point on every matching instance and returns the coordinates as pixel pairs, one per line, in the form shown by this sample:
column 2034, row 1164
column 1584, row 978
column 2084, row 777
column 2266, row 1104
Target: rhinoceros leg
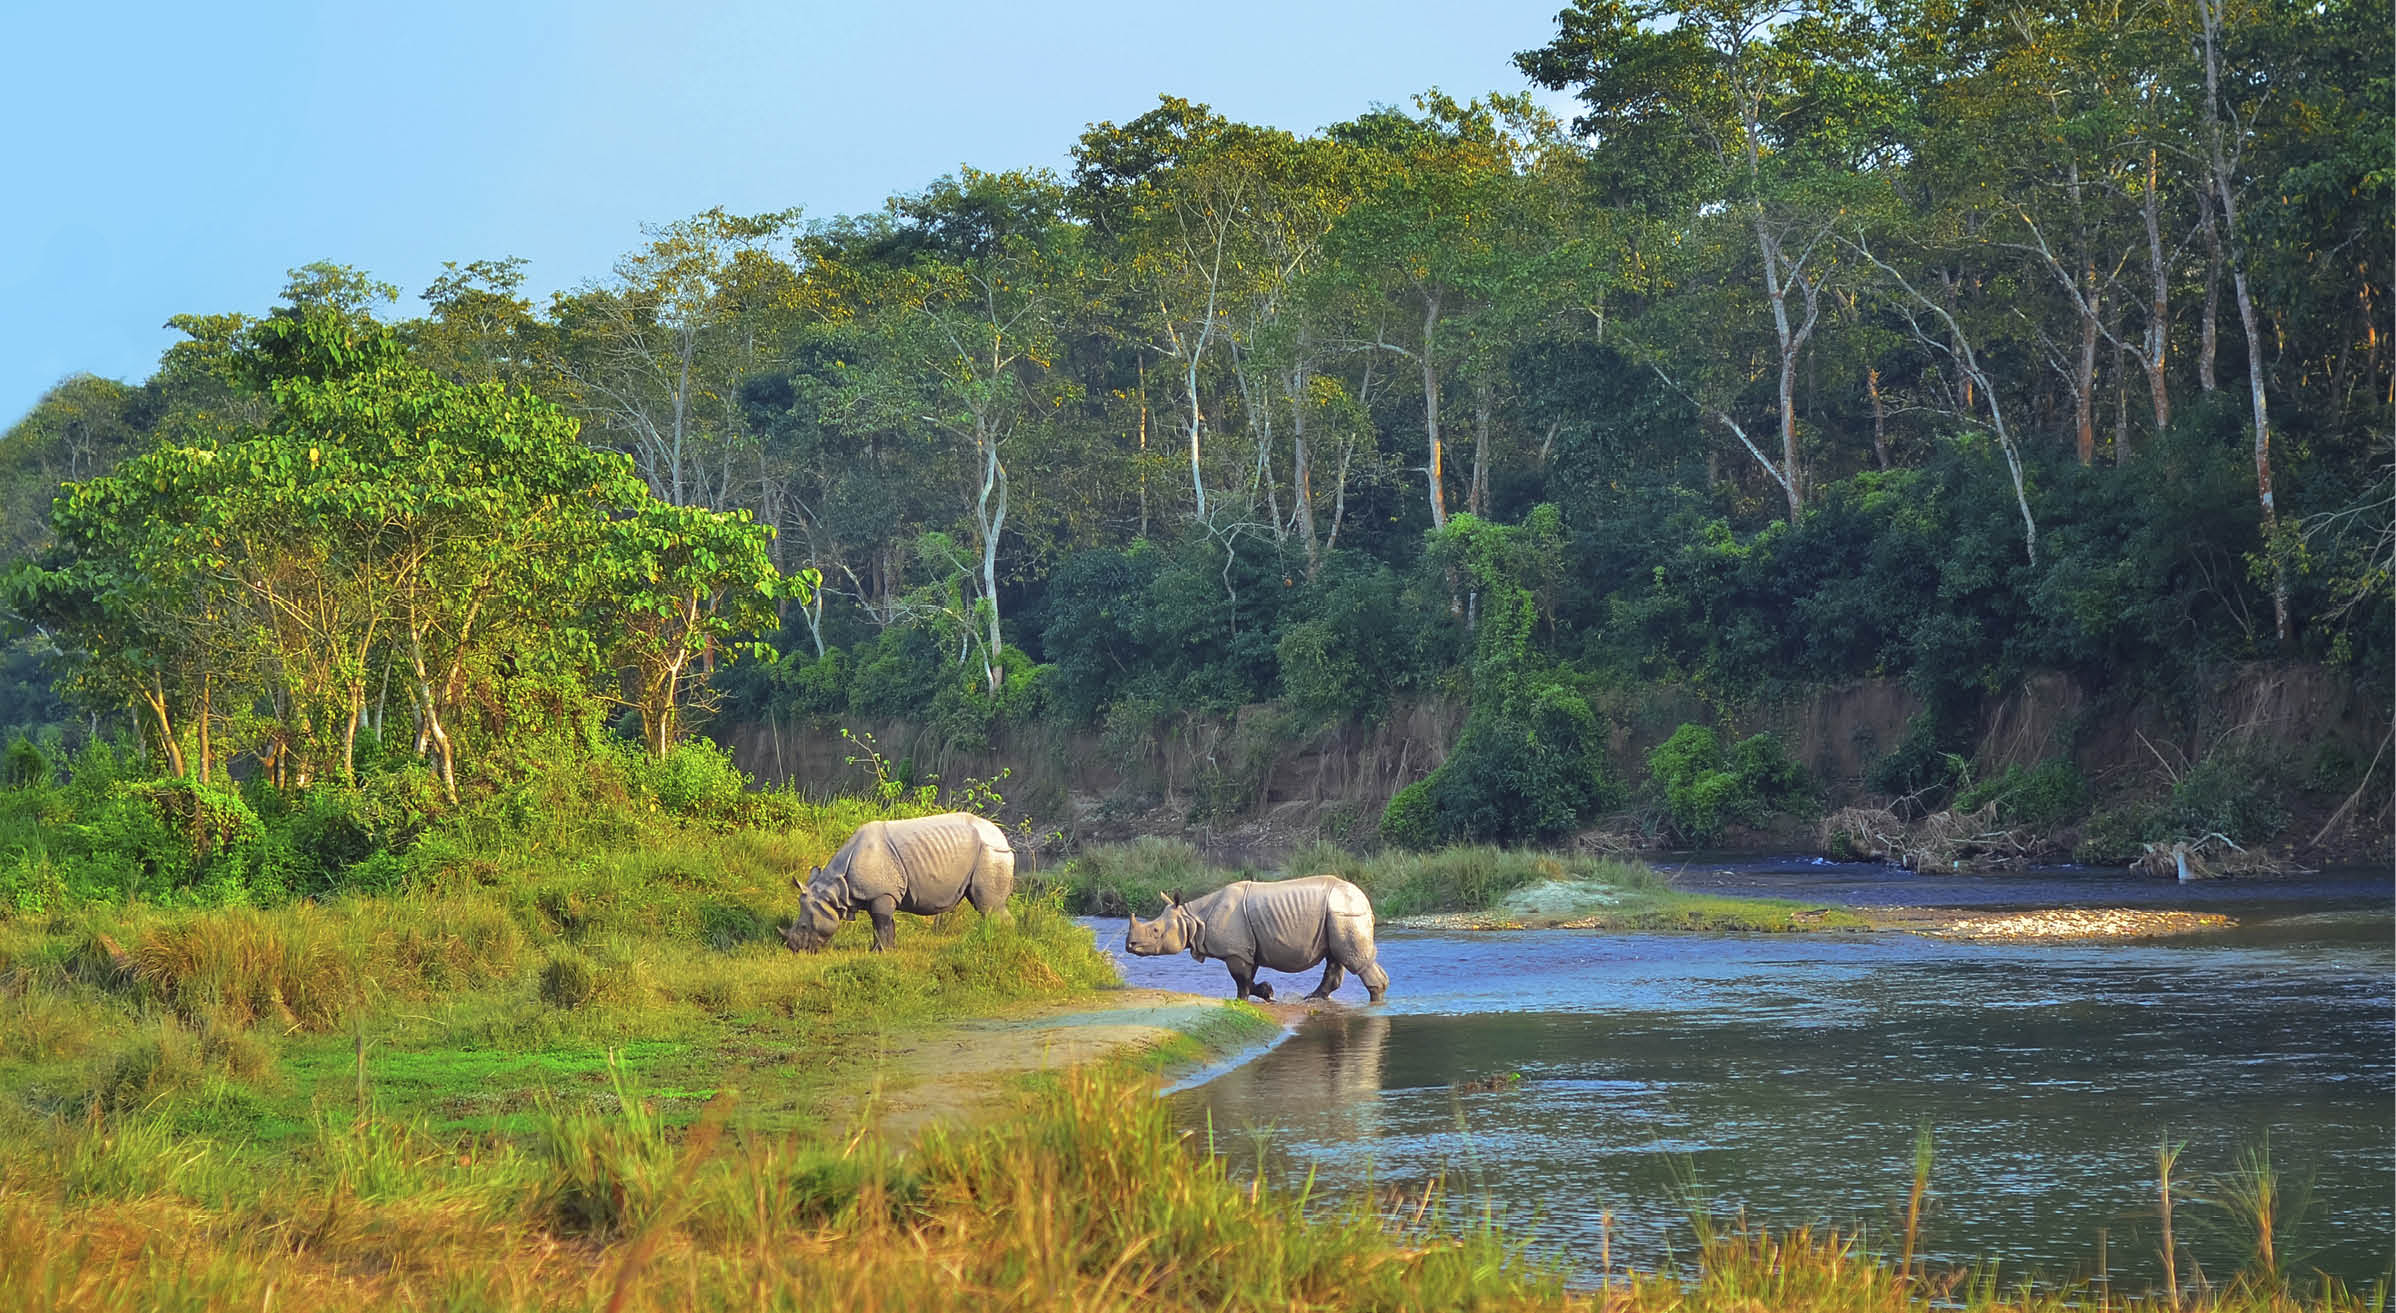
column 1245, row 983
column 1376, row 980
column 1332, row 975
column 883, row 911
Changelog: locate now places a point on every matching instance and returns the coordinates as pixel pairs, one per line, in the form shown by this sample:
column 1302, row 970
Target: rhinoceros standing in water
column 1288, row 925
column 925, row 866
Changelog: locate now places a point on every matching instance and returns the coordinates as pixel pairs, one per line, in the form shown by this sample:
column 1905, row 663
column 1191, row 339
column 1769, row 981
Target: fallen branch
column 2338, row 816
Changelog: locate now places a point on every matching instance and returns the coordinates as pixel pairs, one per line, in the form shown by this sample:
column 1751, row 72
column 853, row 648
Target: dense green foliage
column 1768, row 370
column 255, row 587
column 1705, row 787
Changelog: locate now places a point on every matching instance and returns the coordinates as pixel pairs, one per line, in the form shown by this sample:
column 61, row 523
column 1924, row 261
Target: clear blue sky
column 172, row 158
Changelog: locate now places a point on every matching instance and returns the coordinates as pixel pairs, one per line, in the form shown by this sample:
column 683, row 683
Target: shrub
column 2230, row 793
column 1409, row 821
column 2048, row 793
column 25, row 765
column 568, row 980
column 2117, row 834
column 695, row 778
column 201, row 820
column 1703, row 789
column 1916, row 766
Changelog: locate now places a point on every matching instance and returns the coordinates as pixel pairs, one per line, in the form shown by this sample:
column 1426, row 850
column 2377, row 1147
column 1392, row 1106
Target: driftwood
column 2207, row 857
column 1941, row 841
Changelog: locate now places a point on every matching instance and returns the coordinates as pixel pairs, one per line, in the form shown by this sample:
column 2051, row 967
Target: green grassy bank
column 1472, row 886
column 569, row 1065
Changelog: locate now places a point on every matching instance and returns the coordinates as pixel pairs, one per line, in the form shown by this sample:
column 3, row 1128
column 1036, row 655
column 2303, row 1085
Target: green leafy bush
column 1919, row 766
column 1704, row 789
column 2117, row 834
column 1409, row 821
column 25, row 764
column 2231, row 793
column 695, row 778
column 1530, row 763
column 2049, row 793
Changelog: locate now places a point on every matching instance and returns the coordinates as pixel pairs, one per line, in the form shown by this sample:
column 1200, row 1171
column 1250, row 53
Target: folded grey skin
column 925, row 866
column 1286, row 925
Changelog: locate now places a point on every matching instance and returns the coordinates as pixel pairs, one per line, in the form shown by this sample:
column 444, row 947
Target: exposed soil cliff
column 1251, row 785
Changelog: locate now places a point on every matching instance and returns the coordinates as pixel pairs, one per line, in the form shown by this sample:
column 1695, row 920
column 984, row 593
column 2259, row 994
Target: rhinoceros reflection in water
column 1323, row 1086
column 1288, row 925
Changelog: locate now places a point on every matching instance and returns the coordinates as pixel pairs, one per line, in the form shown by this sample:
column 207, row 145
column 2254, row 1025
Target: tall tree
column 654, row 357
column 1753, row 109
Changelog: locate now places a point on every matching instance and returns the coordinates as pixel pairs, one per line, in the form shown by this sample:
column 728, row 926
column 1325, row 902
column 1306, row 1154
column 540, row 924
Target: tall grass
column 1085, row 1198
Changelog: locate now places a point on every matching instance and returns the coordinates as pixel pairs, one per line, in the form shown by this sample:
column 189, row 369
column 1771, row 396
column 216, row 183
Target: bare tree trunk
column 990, row 517
column 1143, row 364
column 1197, row 474
column 1339, row 497
column 2222, row 156
column 432, row 730
column 2084, row 372
column 2282, row 626
column 2158, row 310
column 1434, row 470
column 1792, row 341
column 2121, row 407
column 1302, row 470
column 154, row 698
column 2208, row 336
column 1880, row 444
column 349, row 732
column 1477, row 500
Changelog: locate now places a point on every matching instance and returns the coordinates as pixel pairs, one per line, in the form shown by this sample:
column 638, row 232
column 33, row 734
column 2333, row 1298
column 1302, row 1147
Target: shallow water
column 1786, row 1076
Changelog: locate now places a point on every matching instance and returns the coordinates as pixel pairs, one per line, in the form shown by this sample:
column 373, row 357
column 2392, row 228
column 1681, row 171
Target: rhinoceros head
column 817, row 918
column 1168, row 934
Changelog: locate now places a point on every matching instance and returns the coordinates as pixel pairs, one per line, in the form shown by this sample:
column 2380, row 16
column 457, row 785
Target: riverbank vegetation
column 494, row 962
column 1477, row 887
column 1086, row 1198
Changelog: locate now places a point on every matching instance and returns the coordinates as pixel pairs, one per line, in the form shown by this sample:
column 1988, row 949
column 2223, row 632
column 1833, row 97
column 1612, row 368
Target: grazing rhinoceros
column 926, row 866
column 1288, row 925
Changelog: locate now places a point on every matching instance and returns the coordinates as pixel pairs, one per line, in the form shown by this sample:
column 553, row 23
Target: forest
column 1915, row 340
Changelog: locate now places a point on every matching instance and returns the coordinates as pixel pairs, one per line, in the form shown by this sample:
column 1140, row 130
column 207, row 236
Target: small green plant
column 980, row 796
column 892, row 784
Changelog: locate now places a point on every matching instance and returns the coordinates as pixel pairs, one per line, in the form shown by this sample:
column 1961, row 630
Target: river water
column 1785, row 1077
